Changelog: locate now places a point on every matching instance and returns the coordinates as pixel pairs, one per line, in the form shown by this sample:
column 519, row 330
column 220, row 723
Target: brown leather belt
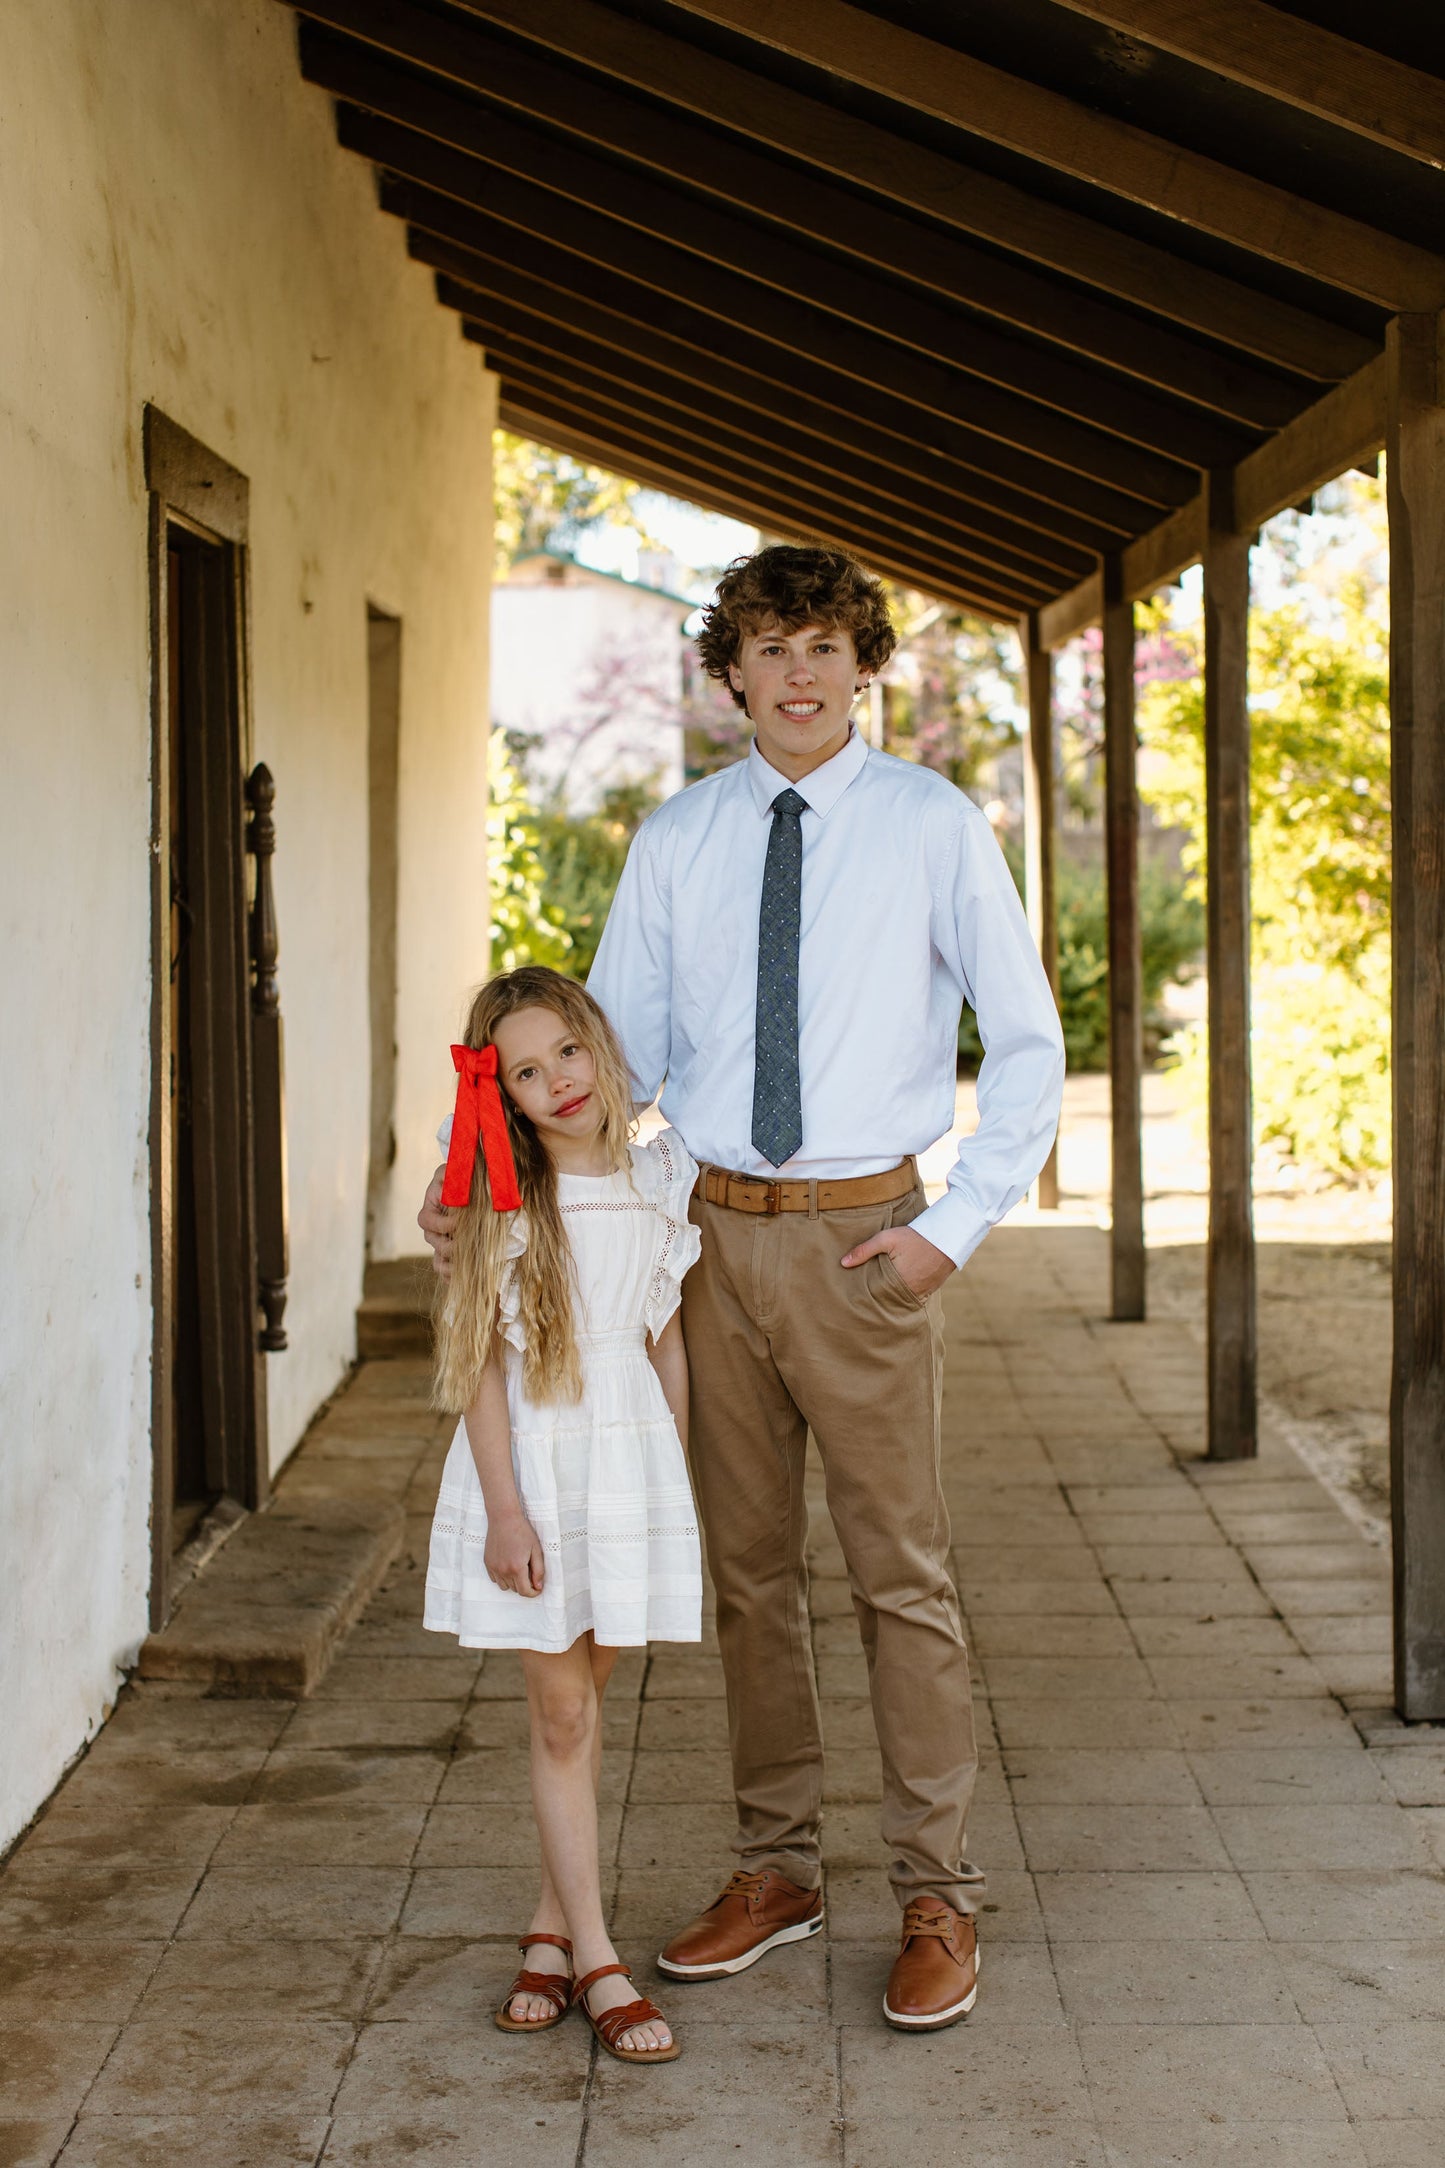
column 751, row 1193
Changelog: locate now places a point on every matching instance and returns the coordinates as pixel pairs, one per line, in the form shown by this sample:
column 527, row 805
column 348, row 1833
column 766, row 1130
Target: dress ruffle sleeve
column 509, row 1308
column 668, row 1172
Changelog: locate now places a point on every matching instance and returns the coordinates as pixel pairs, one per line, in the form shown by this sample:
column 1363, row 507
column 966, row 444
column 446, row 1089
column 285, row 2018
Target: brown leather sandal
column 555, row 1987
column 612, row 2024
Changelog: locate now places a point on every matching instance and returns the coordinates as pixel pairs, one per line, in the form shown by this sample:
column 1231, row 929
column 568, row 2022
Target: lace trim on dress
column 608, row 1204
column 617, row 1537
column 669, row 1225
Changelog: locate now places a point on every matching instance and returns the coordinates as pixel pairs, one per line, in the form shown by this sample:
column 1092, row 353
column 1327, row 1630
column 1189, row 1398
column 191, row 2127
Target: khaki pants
column 781, row 1340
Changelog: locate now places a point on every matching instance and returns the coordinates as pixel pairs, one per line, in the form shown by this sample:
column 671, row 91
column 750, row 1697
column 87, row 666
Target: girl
column 565, row 1525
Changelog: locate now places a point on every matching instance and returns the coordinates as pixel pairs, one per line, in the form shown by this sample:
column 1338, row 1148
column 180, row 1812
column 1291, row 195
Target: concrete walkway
column 251, row 1934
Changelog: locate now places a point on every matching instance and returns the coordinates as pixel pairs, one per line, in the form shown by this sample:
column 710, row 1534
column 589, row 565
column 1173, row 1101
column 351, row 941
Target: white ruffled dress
column 603, row 1482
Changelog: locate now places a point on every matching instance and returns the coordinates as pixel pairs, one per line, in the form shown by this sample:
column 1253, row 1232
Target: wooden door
column 189, row 1485
column 209, row 1431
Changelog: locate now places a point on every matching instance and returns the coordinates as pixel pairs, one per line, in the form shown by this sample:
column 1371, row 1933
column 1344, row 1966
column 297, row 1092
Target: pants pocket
column 893, row 1282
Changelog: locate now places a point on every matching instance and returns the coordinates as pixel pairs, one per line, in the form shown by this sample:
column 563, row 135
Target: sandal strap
column 614, row 2023
column 600, row 1973
column 554, row 1986
column 556, row 1942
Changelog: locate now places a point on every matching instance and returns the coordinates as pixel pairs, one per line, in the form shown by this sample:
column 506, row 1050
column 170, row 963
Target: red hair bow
column 479, row 1113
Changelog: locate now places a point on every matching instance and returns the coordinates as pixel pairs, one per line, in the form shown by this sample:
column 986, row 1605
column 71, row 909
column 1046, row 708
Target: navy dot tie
column 777, row 1095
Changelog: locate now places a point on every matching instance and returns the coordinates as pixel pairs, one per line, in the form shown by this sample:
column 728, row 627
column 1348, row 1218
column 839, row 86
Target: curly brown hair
column 789, row 585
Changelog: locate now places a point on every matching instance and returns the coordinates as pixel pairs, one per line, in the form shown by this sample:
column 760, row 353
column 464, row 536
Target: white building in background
column 247, row 490
column 594, row 670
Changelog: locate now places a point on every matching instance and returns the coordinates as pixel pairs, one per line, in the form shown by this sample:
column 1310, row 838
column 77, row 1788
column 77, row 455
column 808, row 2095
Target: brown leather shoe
column 754, row 1914
column 934, row 1981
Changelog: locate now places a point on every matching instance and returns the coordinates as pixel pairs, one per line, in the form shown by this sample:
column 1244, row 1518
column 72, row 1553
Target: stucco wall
column 181, row 227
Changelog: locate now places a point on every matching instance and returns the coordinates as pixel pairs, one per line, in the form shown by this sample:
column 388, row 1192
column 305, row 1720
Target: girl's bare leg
column 549, row 1917
column 566, row 1741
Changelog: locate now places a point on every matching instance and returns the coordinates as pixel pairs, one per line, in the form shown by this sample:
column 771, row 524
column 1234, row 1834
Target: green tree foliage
column 1171, row 927
column 952, row 689
column 546, row 500
column 526, row 927
column 1320, row 787
column 582, row 857
column 1171, row 935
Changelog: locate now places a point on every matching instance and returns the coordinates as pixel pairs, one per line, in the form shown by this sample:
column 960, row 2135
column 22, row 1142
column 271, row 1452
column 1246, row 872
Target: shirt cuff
column 952, row 1224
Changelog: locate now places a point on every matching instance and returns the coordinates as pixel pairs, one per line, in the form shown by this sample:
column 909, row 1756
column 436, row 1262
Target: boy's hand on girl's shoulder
column 513, row 1555
column 436, row 1224
column 919, row 1264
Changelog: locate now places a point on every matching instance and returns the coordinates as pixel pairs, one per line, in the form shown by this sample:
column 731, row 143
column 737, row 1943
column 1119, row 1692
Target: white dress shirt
column 908, row 909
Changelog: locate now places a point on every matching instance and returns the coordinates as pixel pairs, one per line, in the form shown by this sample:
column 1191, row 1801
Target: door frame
column 190, row 488
column 383, row 755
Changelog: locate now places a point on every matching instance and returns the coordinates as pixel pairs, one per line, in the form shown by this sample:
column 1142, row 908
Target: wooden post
column 1126, row 1007
column 1039, row 823
column 1232, row 1359
column 1415, row 462
column 268, row 1068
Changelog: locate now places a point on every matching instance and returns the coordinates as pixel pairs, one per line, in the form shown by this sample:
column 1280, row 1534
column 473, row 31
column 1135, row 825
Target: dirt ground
column 1324, row 1281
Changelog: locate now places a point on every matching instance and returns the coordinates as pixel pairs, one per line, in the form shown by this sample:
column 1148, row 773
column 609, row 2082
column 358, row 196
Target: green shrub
column 582, row 856
column 1319, row 880
column 526, row 928
column 1171, row 924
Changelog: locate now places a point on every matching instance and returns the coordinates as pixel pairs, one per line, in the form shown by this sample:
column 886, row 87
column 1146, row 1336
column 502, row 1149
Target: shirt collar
column 821, row 790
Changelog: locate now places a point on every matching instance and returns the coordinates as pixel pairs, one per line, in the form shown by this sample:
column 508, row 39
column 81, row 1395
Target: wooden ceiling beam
column 842, row 493
column 639, row 203
column 922, row 507
column 774, row 516
column 1040, row 124
column 669, row 144
column 439, row 176
column 520, row 269
column 549, row 321
column 1341, row 430
column 1068, row 615
column 688, row 451
column 948, row 190
column 1292, row 60
column 501, row 257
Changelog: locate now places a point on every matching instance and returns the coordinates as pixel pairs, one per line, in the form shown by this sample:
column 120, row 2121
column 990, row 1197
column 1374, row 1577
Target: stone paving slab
column 271, row 1934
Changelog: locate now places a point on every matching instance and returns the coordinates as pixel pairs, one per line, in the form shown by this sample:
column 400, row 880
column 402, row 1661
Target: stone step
column 394, row 1317
column 266, row 1615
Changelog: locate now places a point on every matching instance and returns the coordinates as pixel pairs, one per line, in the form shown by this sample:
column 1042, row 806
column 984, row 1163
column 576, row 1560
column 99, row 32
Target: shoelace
column 746, row 1884
column 927, row 1923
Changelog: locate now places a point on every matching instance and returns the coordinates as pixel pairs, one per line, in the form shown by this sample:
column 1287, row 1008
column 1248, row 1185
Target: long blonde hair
column 466, row 1308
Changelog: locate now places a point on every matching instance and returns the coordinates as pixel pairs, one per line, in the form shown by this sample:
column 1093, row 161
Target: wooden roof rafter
column 1050, row 441
column 1294, row 60
column 548, row 319
column 946, row 190
column 915, row 292
column 518, row 343
column 954, row 87
column 638, row 320
column 669, row 144
column 1029, row 398
column 840, row 493
column 776, row 514
column 839, row 510
column 1342, row 430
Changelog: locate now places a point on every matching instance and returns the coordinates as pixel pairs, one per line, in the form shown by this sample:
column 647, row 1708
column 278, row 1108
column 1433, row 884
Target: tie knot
column 788, row 801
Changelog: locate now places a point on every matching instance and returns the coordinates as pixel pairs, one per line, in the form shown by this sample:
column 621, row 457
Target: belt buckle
column 773, row 1205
